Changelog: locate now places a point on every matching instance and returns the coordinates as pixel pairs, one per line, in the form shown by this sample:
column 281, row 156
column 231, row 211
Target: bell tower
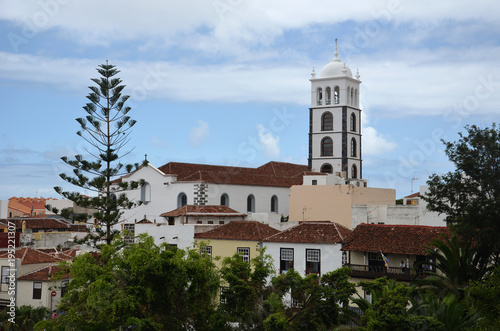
column 335, row 121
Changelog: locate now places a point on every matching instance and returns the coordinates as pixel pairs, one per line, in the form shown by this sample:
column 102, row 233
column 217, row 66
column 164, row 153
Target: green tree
column 483, row 295
column 454, row 264
column 143, row 285
column 469, row 196
column 25, row 318
column 106, row 128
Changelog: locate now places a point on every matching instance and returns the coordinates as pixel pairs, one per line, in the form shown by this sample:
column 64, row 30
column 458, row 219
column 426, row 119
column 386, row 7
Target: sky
column 226, row 82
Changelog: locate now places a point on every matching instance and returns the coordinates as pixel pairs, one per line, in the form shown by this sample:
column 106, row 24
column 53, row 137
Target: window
column 224, row 292
column 5, row 274
column 245, row 253
column 352, row 96
column 328, row 96
column 327, row 147
column 146, row 193
column 206, row 250
column 326, row 168
column 286, row 259
column 353, row 147
column 344, row 258
column 251, row 203
column 313, row 258
column 129, row 233
column 274, row 204
column 336, row 95
column 314, row 182
column 224, row 200
column 353, row 122
column 64, row 285
column 37, row 290
column 327, row 121
column 354, row 171
column 181, row 200
column 319, row 96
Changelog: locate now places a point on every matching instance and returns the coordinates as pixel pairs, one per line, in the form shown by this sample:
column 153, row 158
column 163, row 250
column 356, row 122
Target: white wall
column 331, row 256
column 180, row 235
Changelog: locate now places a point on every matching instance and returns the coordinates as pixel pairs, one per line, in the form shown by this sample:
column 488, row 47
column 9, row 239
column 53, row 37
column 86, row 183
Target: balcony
column 398, row 273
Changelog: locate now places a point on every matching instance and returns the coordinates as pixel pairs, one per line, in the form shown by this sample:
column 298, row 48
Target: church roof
column 279, row 174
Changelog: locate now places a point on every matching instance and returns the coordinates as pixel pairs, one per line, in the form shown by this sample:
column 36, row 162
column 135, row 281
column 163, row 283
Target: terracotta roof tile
column 312, row 232
column 43, row 274
column 206, row 210
column 29, row 255
column 239, row 230
column 395, row 239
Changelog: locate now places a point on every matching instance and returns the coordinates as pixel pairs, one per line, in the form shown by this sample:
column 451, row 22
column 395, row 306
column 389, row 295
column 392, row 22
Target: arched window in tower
column 354, row 171
column 328, row 98
column 146, row 193
column 352, row 97
column 327, row 121
column 327, row 147
column 353, row 122
column 181, row 200
column 251, row 204
column 274, row 204
column 326, row 168
column 356, row 98
column 353, row 147
column 319, row 96
column 336, row 95
column 224, row 200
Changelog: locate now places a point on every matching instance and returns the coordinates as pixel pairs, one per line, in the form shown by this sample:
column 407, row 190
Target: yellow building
column 244, row 237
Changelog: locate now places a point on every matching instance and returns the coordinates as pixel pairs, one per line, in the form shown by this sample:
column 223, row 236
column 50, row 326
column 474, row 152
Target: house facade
column 308, row 247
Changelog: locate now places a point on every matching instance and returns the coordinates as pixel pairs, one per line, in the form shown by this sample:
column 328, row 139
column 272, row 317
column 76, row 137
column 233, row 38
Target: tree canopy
column 469, row 196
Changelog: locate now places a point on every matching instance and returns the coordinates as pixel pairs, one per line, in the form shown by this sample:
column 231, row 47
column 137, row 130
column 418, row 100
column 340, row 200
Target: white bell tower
column 335, row 121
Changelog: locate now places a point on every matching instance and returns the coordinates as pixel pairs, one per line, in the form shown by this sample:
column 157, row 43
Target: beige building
column 335, row 202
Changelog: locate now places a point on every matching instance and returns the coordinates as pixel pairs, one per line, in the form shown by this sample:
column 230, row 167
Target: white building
column 262, row 193
column 335, row 121
column 309, row 247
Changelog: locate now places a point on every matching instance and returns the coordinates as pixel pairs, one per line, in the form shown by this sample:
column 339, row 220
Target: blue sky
column 227, row 81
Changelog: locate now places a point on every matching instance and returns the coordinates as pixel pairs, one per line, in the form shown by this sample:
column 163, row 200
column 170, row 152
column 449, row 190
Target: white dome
column 335, row 68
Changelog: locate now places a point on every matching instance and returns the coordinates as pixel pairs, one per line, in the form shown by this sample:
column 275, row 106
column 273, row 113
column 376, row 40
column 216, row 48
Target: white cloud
column 199, row 134
column 375, row 143
column 269, row 142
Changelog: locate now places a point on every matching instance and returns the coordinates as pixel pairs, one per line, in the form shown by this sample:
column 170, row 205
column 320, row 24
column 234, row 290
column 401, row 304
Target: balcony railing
column 399, row 273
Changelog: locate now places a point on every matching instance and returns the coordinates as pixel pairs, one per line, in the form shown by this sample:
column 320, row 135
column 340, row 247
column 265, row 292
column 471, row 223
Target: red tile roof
column 239, row 230
column 29, row 255
column 395, row 239
column 278, row 174
column 312, row 232
column 43, row 274
column 39, row 223
column 206, row 210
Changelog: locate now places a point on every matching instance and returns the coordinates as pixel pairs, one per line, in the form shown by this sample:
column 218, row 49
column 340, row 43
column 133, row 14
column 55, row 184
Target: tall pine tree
column 106, row 129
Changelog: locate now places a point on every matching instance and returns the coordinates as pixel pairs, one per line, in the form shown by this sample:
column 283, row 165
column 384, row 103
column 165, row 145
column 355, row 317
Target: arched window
column 274, row 204
column 327, row 147
column 319, row 95
column 146, row 193
column 181, row 200
column 354, row 171
column 353, row 122
column 328, row 99
column 327, row 168
column 356, row 98
column 327, row 121
column 224, row 200
column 336, row 95
column 353, row 147
column 352, row 96
column 251, row 204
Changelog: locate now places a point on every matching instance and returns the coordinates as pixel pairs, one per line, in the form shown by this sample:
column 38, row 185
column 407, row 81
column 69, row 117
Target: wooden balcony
column 398, row 273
